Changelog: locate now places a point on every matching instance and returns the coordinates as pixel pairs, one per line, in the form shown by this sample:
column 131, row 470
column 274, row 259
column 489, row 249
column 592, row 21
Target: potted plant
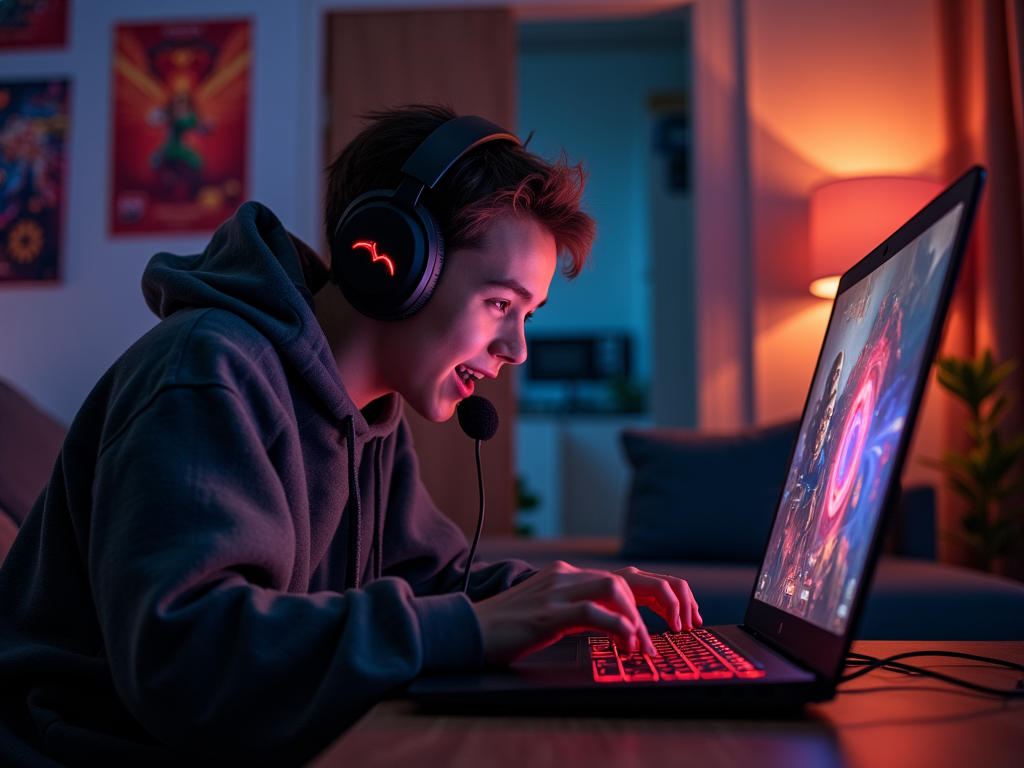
column 985, row 476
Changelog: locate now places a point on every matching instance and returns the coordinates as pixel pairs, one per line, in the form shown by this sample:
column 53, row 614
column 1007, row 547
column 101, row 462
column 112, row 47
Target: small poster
column 33, row 141
column 33, row 24
column 181, row 115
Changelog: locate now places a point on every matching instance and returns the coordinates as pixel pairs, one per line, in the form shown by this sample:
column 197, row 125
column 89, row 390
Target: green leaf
column 986, row 473
column 954, row 383
column 974, row 522
column 961, row 488
column 998, row 411
column 999, row 374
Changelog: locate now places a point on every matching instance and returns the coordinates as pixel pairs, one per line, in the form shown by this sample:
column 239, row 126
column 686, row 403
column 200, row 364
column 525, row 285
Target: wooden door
column 464, row 58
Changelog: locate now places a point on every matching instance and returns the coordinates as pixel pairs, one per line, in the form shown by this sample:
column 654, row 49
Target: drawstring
column 377, row 522
column 355, row 521
column 354, row 512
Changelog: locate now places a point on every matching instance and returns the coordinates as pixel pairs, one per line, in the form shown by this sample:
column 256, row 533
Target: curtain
column 983, row 55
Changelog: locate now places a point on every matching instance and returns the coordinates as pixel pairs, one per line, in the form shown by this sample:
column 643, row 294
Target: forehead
column 511, row 248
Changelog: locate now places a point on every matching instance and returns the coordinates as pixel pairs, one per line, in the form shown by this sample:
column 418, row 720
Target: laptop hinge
column 779, row 649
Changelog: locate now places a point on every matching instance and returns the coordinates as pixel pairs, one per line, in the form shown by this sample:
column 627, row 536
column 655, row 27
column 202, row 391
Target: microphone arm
column 480, row 520
column 479, row 420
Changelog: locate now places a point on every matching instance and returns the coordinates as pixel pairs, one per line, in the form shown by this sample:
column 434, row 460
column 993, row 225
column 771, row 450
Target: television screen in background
column 580, row 373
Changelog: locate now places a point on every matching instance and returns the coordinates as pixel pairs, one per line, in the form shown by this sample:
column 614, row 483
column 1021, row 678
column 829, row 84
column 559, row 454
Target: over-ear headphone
column 387, row 250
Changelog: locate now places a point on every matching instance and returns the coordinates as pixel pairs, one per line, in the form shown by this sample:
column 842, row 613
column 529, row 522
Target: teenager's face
column 473, row 323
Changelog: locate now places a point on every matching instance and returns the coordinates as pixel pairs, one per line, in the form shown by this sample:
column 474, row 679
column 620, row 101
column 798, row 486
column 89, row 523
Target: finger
column 612, row 592
column 689, row 613
column 584, row 615
column 659, row 593
column 691, row 602
column 606, row 589
column 626, row 594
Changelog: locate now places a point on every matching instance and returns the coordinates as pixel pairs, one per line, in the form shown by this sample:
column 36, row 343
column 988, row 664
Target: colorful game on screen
column 860, row 400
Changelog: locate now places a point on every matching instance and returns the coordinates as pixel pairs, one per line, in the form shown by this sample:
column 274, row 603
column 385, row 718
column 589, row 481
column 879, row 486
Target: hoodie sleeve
column 425, row 548
column 192, row 552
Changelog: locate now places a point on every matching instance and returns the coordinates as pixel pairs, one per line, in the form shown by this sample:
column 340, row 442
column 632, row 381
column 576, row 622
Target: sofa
column 30, row 440
column 699, row 508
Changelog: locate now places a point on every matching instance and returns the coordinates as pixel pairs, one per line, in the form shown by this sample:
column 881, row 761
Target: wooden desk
column 882, row 719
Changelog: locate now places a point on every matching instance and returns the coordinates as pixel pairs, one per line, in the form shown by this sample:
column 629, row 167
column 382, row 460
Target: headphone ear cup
column 436, row 272
column 383, row 256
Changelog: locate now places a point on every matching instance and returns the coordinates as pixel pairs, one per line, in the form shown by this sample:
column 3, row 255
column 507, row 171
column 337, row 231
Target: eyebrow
column 518, row 289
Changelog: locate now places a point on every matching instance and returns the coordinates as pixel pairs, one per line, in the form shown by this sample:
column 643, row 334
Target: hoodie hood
column 254, row 268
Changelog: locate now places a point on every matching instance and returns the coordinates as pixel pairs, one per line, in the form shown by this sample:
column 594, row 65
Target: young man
column 235, row 555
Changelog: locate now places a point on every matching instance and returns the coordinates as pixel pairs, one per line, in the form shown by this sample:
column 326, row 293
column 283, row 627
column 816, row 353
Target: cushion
column 8, row 530
column 696, row 496
column 912, row 531
column 29, row 443
column 910, row 599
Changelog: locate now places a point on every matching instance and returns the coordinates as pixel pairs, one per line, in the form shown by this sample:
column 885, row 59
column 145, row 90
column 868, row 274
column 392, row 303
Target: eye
column 501, row 305
column 529, row 317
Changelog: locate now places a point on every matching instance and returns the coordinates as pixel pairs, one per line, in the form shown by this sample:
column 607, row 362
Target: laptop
column 842, row 480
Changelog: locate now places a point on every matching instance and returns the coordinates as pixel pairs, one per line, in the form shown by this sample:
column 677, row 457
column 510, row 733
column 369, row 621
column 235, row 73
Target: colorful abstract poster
column 33, row 141
column 33, row 23
column 181, row 113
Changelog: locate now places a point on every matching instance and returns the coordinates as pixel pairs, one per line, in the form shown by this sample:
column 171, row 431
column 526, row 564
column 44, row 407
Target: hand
column 667, row 596
column 562, row 600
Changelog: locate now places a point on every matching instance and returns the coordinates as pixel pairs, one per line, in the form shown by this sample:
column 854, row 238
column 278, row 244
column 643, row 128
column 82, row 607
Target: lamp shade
column 849, row 218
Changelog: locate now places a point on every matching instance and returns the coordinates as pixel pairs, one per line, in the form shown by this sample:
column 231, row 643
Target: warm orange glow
column 852, row 89
column 850, row 218
column 785, row 353
column 825, row 287
column 835, row 90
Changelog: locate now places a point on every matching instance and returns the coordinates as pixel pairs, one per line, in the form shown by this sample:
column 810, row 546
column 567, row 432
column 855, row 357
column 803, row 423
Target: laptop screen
column 858, row 407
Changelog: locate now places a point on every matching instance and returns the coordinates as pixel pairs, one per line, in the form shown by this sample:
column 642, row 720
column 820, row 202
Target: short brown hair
column 493, row 180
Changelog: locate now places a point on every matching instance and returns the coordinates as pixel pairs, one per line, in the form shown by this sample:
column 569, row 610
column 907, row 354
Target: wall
column 584, row 88
column 835, row 90
column 55, row 342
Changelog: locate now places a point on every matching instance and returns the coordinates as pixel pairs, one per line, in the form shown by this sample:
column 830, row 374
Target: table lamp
column 849, row 218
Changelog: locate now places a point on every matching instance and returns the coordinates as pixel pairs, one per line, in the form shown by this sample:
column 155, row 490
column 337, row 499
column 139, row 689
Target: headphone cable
column 894, row 663
column 480, row 519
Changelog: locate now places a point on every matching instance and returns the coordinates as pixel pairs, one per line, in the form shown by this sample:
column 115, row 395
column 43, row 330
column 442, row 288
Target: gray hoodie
column 230, row 563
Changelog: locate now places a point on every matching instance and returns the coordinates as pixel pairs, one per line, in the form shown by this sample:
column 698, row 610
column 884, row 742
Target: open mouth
column 466, row 378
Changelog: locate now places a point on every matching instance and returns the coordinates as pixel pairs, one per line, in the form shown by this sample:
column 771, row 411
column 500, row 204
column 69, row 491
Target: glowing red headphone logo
column 372, row 248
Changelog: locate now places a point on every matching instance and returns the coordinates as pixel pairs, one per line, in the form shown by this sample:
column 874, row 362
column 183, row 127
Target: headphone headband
column 450, row 141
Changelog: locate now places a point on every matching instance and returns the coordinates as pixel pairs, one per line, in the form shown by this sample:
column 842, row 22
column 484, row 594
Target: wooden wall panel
column 465, row 58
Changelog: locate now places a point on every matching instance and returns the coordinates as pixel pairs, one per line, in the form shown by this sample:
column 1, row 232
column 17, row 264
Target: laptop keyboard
column 699, row 654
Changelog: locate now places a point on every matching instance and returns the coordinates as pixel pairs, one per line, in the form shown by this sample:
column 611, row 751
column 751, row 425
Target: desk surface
column 882, row 719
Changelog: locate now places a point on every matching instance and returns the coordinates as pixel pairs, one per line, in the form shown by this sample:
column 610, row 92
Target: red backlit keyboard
column 681, row 656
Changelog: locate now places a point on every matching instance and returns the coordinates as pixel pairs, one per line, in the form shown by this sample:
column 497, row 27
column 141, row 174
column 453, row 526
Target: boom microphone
column 479, row 419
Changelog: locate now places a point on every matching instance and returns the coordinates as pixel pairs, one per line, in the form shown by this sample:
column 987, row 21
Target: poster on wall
column 33, row 24
column 180, row 125
column 33, row 141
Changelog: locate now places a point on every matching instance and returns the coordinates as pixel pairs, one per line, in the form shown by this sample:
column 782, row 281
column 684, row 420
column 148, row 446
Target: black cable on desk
column 871, row 663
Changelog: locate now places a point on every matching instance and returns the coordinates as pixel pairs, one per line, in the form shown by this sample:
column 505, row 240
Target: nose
column 510, row 345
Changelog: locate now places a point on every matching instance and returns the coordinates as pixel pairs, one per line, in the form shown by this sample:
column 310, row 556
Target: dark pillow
column 29, row 443
column 704, row 497
column 8, row 530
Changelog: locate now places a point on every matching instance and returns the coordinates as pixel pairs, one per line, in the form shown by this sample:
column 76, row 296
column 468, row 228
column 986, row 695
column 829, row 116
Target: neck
column 352, row 338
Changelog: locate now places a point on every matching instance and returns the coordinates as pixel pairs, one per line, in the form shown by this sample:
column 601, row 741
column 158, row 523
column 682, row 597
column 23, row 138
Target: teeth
column 466, row 374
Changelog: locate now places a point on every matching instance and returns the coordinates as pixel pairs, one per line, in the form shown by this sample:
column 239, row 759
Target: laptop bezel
column 817, row 648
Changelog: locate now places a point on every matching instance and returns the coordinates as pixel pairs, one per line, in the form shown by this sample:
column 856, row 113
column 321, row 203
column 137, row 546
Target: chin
column 436, row 411
column 445, row 412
